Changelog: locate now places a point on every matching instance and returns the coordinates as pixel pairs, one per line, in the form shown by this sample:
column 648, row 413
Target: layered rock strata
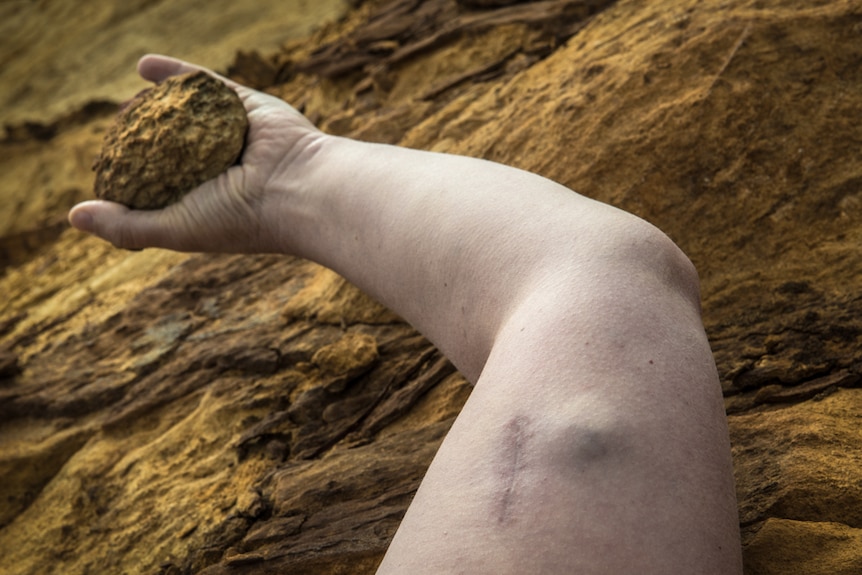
column 221, row 414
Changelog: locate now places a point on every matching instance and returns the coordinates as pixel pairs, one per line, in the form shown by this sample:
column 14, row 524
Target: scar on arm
column 575, row 452
column 512, row 464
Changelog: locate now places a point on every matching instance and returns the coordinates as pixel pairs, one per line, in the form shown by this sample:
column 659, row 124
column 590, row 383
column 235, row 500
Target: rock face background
column 171, row 413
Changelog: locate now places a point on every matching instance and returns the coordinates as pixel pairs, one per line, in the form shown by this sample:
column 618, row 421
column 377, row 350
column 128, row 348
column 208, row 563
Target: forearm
column 452, row 244
column 582, row 320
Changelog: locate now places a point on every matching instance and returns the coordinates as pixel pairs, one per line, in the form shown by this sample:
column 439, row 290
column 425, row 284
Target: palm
column 226, row 214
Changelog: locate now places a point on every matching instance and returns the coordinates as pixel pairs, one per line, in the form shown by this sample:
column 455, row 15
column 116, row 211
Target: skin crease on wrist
column 594, row 440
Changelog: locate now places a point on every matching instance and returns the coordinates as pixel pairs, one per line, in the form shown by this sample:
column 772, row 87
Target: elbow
column 639, row 255
column 670, row 265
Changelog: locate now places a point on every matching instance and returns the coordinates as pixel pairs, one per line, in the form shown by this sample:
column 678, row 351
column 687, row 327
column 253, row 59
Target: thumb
column 123, row 227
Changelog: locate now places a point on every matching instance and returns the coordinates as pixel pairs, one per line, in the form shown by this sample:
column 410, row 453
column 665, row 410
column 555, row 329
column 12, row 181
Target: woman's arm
column 595, row 439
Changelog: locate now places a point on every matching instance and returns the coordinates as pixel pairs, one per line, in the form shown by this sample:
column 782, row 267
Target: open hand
column 230, row 213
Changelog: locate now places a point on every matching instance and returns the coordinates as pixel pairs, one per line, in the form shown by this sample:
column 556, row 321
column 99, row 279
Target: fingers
column 123, row 227
column 155, row 68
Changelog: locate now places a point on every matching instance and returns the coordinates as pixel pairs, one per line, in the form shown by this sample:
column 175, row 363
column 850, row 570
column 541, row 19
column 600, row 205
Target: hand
column 231, row 213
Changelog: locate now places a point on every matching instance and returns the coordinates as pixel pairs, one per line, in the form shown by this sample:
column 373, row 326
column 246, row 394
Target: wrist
column 298, row 191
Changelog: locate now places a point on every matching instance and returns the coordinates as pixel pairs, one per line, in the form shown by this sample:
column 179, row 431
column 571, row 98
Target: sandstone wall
column 178, row 413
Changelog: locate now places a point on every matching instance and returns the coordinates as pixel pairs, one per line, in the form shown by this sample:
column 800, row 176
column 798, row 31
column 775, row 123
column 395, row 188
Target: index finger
column 155, row 68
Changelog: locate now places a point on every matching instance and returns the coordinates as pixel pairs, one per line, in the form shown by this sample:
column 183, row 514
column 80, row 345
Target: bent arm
column 595, row 439
column 452, row 244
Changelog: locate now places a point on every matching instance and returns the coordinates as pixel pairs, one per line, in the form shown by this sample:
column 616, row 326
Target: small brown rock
column 170, row 139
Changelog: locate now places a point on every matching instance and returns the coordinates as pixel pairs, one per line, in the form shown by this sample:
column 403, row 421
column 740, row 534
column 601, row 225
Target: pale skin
column 595, row 439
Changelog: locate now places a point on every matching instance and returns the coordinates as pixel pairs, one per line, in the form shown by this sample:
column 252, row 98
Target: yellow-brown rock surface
column 176, row 413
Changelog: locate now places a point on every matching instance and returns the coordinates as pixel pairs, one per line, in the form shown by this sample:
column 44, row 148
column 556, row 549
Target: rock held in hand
column 170, row 139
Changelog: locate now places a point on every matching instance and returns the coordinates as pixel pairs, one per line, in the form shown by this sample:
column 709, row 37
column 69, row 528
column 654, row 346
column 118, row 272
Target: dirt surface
column 175, row 413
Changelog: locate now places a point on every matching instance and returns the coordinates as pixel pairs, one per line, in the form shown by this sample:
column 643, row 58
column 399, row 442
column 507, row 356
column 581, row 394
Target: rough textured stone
column 809, row 548
column 182, row 413
column 170, row 139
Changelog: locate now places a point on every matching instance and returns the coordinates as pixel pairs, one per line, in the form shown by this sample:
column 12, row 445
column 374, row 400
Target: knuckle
column 123, row 237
